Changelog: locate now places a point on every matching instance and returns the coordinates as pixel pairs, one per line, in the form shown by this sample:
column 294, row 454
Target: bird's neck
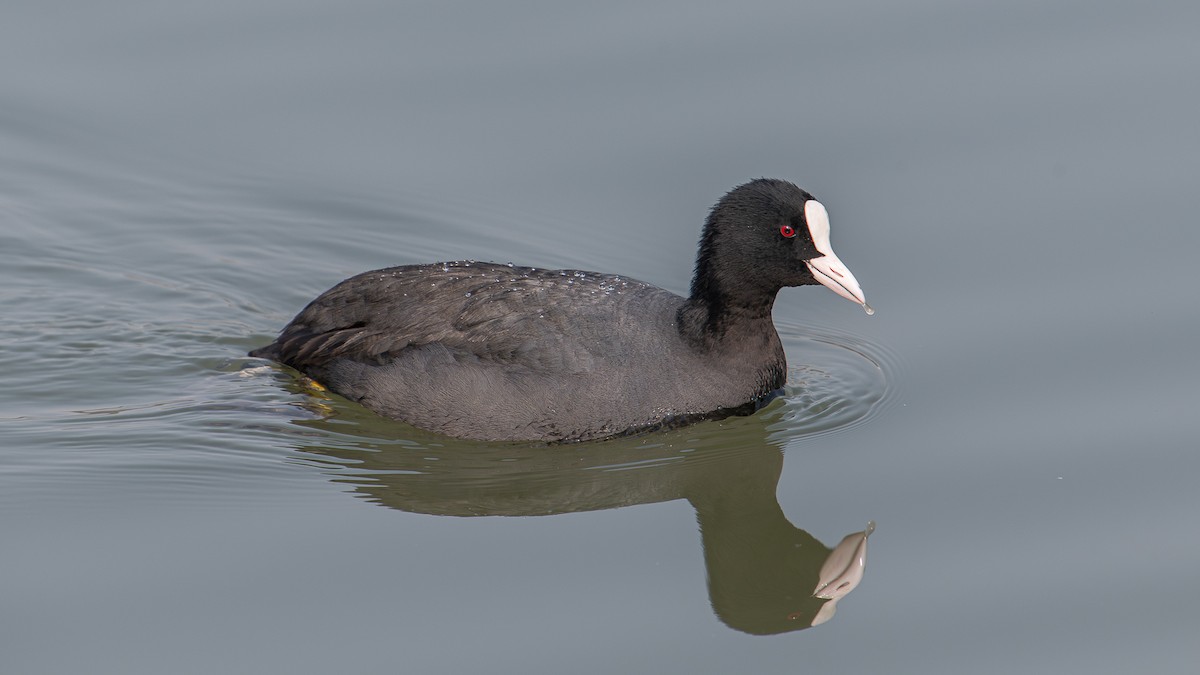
column 717, row 312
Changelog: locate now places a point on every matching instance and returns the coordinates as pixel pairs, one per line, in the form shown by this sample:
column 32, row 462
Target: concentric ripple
column 836, row 380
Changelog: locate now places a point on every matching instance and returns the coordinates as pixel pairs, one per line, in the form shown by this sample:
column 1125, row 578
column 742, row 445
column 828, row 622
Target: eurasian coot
column 505, row 353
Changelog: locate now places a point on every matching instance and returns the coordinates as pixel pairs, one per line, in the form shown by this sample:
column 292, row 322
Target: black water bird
column 507, row 353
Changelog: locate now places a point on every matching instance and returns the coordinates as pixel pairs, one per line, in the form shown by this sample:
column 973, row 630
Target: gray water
column 1013, row 184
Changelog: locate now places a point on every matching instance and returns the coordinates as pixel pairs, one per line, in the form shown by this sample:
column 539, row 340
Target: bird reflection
column 765, row 576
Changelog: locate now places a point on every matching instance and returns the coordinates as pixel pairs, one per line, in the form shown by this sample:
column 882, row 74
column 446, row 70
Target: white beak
column 834, row 274
column 828, row 269
column 842, row 572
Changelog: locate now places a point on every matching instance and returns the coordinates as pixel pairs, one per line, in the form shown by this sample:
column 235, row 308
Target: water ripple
column 836, row 380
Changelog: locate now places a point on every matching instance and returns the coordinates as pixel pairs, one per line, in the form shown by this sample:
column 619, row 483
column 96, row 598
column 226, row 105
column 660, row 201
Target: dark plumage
column 498, row 352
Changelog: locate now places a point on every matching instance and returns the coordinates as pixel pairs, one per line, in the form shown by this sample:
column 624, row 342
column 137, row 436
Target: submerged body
column 497, row 352
column 488, row 351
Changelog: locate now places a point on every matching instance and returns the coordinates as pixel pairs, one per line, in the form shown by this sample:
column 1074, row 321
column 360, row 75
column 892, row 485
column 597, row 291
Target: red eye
column 787, row 231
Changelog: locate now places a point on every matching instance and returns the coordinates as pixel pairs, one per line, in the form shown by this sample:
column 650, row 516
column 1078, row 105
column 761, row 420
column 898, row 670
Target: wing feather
column 493, row 312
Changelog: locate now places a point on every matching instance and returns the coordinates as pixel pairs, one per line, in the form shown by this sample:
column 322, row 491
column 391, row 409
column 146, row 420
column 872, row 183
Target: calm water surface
column 1012, row 184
